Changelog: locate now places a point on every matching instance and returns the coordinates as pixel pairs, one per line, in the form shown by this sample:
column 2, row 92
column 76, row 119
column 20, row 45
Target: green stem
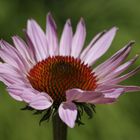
column 59, row 129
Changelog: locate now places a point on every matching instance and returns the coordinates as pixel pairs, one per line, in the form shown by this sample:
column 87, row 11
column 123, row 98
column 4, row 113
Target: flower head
column 49, row 74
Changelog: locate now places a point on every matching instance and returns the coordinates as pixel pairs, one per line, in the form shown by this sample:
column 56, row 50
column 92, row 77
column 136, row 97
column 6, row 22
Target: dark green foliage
column 88, row 109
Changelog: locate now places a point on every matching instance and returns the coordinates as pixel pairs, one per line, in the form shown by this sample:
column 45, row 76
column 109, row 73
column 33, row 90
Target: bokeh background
column 120, row 121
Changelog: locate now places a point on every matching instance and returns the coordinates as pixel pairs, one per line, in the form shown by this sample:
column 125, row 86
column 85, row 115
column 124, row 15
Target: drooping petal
column 36, row 99
column 94, row 97
column 113, row 93
column 16, row 97
column 66, row 40
column 100, row 47
column 38, row 39
column 16, row 91
column 68, row 113
column 78, row 39
column 110, row 96
column 41, row 102
column 79, row 95
column 51, row 36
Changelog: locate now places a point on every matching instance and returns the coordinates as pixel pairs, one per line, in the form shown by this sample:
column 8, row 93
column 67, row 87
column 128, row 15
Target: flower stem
column 59, row 129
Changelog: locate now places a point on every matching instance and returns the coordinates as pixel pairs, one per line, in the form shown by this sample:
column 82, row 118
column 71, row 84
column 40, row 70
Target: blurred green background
column 120, row 121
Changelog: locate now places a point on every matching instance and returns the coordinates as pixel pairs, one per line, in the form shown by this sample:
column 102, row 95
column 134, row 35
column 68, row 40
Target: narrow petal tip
column 114, row 28
column 50, row 20
column 82, row 21
column 132, row 42
column 68, row 22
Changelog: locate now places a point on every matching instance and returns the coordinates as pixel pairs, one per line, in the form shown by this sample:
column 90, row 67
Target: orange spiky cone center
column 55, row 75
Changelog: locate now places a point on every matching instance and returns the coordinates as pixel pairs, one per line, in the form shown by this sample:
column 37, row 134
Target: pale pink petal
column 103, row 101
column 16, row 97
column 11, row 56
column 51, row 35
column 37, row 100
column 112, row 66
column 31, row 46
column 123, row 77
column 78, row 39
column 118, row 71
column 94, row 97
column 41, row 102
column 26, row 92
column 79, row 95
column 38, row 39
column 8, row 79
column 100, row 47
column 113, row 93
column 9, row 69
column 66, row 39
column 14, row 61
column 68, row 113
column 15, row 93
column 24, row 50
column 21, row 91
column 120, row 55
column 93, row 41
column 128, row 88
column 110, row 96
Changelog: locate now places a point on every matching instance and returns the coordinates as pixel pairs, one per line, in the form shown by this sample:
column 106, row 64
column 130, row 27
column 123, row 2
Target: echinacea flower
column 47, row 73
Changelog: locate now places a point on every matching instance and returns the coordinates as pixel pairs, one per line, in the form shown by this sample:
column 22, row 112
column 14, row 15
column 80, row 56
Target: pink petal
column 51, row 35
column 121, row 54
column 123, row 77
column 41, row 102
column 16, row 97
column 78, row 39
column 31, row 46
column 22, row 91
column 130, row 88
column 119, row 70
column 68, row 113
column 24, row 50
column 38, row 39
column 110, row 96
column 8, row 79
column 79, row 95
column 11, row 56
column 94, row 97
column 93, row 41
column 100, row 47
column 113, row 93
column 66, row 39
column 8, row 69
column 14, row 93
column 36, row 99
column 103, row 73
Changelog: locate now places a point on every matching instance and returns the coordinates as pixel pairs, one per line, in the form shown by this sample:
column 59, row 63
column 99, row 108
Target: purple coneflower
column 57, row 75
